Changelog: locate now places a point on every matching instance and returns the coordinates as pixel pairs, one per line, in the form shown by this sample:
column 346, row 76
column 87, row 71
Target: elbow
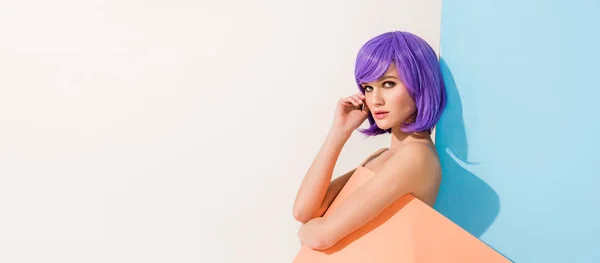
column 300, row 216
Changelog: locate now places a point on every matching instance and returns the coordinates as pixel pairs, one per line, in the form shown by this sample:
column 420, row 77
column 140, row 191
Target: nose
column 376, row 99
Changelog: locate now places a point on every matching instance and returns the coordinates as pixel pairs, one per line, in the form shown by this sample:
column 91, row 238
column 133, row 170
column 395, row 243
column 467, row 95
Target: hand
column 315, row 234
column 349, row 113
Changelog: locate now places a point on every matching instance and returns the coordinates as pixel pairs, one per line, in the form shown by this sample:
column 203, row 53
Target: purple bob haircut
column 418, row 68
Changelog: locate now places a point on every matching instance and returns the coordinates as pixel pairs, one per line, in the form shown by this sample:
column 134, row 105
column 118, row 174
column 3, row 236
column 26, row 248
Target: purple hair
column 418, row 68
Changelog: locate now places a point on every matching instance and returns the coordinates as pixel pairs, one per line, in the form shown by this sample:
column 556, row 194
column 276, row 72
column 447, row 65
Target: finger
column 358, row 99
column 360, row 95
column 362, row 104
column 346, row 102
column 352, row 100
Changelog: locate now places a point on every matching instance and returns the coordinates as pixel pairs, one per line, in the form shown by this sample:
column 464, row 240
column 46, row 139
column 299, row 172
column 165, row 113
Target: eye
column 389, row 84
column 366, row 88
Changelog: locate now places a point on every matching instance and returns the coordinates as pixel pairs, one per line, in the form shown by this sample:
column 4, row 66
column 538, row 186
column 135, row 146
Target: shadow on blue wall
column 463, row 197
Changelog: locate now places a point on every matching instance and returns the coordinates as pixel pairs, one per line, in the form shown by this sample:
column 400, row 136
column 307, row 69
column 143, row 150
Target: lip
column 380, row 114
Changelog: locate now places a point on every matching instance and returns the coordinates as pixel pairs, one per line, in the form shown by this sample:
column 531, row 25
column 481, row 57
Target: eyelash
column 393, row 84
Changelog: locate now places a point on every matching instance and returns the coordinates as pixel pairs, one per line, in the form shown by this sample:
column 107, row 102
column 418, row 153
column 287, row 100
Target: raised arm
column 316, row 181
column 349, row 114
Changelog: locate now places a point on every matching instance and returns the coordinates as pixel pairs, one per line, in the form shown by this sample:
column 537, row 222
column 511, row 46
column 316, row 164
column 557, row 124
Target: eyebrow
column 383, row 78
column 387, row 77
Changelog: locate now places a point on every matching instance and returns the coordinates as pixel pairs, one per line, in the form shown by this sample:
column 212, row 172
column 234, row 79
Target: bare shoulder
column 418, row 161
column 373, row 156
column 420, row 151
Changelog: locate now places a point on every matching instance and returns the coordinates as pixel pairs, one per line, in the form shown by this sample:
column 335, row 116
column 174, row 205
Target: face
column 388, row 94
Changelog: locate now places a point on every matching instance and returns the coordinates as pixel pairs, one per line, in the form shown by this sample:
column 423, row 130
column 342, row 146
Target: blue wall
column 518, row 141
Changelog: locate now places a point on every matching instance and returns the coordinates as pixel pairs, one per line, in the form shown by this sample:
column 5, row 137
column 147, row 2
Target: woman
column 402, row 92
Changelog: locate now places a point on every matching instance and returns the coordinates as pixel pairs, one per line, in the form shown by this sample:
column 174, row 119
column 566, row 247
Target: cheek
column 403, row 100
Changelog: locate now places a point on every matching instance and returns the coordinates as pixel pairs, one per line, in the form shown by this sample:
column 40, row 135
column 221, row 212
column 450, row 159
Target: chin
column 383, row 125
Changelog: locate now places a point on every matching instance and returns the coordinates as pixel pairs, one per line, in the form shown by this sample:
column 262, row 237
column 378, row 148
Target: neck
column 400, row 137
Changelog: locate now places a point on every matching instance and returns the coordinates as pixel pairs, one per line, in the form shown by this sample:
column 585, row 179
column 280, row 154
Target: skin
column 409, row 166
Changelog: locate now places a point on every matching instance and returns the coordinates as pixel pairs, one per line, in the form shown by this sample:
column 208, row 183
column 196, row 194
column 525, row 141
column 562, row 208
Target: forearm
column 323, row 232
column 318, row 177
column 357, row 210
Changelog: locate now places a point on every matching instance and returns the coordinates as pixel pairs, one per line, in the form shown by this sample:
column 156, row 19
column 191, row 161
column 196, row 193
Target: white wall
column 137, row 131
